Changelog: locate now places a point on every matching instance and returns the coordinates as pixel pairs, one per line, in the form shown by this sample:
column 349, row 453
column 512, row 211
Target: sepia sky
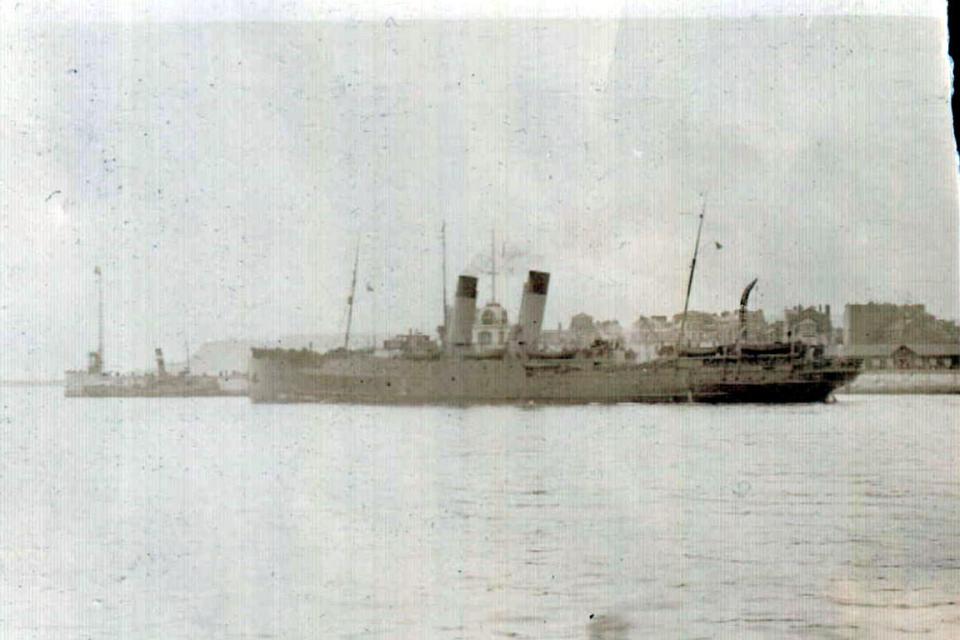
column 221, row 173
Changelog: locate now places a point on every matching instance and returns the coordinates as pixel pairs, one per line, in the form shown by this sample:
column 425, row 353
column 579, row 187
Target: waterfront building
column 900, row 337
column 891, row 324
column 906, row 356
column 810, row 325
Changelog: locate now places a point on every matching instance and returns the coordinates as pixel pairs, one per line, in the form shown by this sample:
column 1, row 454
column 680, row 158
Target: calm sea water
column 215, row 518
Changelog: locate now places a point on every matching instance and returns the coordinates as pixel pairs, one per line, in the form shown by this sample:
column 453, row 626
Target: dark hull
column 788, row 392
column 291, row 376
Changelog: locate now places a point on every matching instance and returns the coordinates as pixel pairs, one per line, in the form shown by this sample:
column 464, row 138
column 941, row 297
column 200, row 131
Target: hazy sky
column 221, row 173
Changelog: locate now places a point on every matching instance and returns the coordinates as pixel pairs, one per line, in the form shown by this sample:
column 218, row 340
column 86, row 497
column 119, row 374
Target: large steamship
column 419, row 370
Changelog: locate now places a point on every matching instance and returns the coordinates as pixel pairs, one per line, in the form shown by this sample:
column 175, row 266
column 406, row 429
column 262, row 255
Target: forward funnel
column 464, row 312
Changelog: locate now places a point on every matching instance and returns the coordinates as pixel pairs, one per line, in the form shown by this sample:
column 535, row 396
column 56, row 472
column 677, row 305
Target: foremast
column 693, row 267
column 353, row 292
column 446, row 309
column 100, row 354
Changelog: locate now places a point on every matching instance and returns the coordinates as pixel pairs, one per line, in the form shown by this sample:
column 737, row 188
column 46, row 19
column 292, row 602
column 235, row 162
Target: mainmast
column 97, row 272
column 353, row 291
column 493, row 264
column 693, row 266
column 443, row 243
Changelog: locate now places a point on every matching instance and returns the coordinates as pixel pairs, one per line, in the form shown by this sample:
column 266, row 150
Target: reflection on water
column 217, row 518
column 607, row 627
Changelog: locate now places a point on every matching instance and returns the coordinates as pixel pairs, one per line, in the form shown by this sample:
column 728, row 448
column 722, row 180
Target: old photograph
column 575, row 320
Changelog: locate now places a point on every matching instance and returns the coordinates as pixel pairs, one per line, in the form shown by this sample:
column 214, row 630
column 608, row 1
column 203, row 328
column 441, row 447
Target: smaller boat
column 96, row 382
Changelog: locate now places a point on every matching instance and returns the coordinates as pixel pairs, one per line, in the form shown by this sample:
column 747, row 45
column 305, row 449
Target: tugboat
column 454, row 372
column 96, row 382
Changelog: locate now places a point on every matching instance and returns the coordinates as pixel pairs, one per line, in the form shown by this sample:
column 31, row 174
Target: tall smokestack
column 464, row 312
column 531, row 309
column 161, row 367
column 744, row 298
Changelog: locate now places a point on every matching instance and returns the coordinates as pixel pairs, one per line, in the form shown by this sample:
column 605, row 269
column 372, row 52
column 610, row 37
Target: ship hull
column 119, row 392
column 297, row 376
column 767, row 393
column 80, row 384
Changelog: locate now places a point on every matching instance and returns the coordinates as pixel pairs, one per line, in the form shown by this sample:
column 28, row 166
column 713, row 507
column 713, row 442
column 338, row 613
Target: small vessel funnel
column 94, row 362
column 161, row 366
column 531, row 309
column 464, row 312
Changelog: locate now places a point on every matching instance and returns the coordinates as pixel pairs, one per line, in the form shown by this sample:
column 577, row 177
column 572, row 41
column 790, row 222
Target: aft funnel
column 464, row 312
column 531, row 309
